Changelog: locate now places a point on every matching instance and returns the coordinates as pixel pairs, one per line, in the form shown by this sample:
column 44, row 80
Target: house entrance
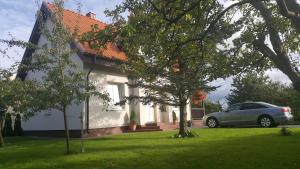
column 149, row 113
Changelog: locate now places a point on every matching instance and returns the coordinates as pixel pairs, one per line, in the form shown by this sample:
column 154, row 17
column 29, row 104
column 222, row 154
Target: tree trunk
column 290, row 9
column 1, row 137
column 82, row 132
column 182, row 122
column 277, row 54
column 66, row 130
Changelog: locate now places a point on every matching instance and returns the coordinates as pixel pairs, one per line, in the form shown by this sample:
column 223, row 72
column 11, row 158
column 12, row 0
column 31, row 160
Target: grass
column 229, row 148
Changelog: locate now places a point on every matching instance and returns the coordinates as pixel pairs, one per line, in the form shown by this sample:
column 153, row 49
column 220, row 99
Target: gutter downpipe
column 88, row 97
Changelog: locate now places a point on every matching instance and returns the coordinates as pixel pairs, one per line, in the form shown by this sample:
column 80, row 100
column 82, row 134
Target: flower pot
column 132, row 126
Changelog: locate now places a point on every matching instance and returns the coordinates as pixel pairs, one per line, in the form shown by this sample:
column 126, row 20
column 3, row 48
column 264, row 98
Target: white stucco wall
column 53, row 119
column 102, row 116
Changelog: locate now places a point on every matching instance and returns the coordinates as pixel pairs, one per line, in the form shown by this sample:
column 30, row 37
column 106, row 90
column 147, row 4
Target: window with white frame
column 116, row 94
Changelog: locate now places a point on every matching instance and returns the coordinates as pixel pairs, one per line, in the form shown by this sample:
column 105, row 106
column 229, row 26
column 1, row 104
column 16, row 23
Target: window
column 248, row 106
column 116, row 94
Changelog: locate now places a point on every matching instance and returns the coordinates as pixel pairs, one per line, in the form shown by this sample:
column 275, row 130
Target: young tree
column 4, row 96
column 16, row 95
column 172, row 51
column 2, row 112
column 64, row 83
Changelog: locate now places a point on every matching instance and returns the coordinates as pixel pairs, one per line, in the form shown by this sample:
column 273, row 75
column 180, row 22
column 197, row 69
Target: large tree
column 271, row 32
column 172, row 49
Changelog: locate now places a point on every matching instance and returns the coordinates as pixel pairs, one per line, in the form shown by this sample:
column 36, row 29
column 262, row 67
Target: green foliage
column 132, row 117
column 250, row 87
column 8, row 130
column 172, row 48
column 258, row 87
column 211, row 107
column 268, row 38
column 18, row 131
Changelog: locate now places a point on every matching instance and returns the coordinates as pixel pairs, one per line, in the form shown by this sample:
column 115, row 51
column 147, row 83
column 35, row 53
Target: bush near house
column 18, row 131
column 8, row 130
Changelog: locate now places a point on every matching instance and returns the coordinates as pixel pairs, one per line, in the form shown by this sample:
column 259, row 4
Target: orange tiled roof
column 72, row 20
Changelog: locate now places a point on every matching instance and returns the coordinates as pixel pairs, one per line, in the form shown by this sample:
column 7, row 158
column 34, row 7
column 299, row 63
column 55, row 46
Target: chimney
column 91, row 15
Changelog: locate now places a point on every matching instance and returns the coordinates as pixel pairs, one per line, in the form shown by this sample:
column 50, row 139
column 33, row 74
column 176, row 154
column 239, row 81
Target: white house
column 104, row 71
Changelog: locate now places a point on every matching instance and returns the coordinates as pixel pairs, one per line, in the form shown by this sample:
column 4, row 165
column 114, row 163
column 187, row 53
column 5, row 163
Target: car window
column 247, row 106
column 234, row 107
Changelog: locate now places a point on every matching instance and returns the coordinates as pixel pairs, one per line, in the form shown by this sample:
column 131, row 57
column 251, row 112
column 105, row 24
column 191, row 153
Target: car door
column 250, row 112
column 232, row 115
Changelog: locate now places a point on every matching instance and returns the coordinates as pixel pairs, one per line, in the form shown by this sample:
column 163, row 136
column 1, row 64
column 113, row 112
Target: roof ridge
column 81, row 14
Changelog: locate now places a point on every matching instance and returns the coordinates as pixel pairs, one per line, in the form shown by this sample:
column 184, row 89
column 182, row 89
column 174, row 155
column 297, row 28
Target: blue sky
column 18, row 17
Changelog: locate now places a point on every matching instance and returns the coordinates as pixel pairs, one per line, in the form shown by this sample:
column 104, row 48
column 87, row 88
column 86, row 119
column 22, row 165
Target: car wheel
column 266, row 121
column 212, row 123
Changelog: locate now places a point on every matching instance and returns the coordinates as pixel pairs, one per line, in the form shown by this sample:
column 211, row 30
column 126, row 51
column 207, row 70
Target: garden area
column 228, row 148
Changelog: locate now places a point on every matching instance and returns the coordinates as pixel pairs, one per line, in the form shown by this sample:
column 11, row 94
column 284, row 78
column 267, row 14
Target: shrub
column 132, row 117
column 174, row 117
column 284, row 131
column 187, row 134
column 7, row 130
column 18, row 131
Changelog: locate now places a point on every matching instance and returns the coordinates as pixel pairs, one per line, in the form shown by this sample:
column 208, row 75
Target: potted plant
column 174, row 117
column 132, row 125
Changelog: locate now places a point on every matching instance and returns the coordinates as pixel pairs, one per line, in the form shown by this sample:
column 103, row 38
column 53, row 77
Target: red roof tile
column 74, row 20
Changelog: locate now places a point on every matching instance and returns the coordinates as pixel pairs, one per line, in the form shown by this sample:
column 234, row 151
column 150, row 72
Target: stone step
column 151, row 124
column 148, row 127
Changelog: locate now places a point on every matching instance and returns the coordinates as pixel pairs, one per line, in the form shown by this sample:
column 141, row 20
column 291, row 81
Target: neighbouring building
column 100, row 119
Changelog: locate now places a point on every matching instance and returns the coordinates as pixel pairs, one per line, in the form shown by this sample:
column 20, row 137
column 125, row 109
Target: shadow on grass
column 218, row 148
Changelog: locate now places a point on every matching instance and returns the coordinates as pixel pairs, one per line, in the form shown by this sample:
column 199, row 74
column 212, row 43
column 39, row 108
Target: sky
column 17, row 18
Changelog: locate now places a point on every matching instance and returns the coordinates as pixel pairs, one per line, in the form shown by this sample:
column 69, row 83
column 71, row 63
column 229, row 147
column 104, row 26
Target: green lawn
column 246, row 148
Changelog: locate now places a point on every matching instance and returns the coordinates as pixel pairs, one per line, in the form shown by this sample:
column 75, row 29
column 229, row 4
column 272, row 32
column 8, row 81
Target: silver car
column 249, row 113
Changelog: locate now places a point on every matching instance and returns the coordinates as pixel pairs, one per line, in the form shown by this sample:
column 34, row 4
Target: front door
column 149, row 113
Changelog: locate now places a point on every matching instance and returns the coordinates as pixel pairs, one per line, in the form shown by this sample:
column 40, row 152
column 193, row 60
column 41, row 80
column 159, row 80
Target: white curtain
column 113, row 92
